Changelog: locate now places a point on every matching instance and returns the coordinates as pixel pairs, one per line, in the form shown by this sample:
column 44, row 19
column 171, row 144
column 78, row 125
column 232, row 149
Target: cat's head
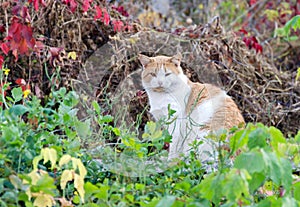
column 161, row 73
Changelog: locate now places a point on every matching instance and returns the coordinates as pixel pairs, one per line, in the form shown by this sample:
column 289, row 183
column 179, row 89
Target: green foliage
column 293, row 23
column 44, row 164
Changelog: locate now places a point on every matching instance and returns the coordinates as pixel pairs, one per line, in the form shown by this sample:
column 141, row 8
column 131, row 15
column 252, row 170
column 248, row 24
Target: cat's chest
column 160, row 103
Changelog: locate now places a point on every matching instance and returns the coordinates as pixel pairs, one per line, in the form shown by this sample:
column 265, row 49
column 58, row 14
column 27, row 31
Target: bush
column 44, row 163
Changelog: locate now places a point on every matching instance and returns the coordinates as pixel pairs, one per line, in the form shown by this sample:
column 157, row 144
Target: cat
column 200, row 109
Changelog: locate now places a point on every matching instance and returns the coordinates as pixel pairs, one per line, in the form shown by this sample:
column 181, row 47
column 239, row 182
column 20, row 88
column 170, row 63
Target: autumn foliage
column 22, row 36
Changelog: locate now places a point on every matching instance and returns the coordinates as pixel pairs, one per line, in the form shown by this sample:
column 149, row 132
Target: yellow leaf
column 272, row 15
column 16, row 181
column 64, row 160
column 6, row 71
column 72, row 55
column 36, row 161
column 28, row 193
column 78, row 184
column 35, row 176
column 26, row 93
column 49, row 154
column 44, row 200
column 298, row 74
column 66, row 176
column 78, row 164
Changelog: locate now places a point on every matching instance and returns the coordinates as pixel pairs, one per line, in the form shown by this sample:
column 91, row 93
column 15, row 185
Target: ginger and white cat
column 200, row 108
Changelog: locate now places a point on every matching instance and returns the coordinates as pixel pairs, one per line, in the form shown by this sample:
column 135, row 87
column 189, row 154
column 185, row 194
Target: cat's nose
column 160, row 83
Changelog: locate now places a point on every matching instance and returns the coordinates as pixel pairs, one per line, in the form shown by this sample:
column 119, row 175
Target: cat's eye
column 167, row 74
column 153, row 74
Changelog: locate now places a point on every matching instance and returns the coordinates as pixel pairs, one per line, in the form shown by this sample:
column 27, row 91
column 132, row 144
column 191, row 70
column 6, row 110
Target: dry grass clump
column 262, row 92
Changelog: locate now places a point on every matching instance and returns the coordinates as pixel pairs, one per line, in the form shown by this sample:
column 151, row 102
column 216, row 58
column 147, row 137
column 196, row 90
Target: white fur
column 185, row 129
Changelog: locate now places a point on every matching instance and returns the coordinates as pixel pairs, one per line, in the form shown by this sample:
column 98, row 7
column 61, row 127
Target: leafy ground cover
column 51, row 157
column 43, row 163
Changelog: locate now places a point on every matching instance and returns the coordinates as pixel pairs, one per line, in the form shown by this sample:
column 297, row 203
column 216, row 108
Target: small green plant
column 292, row 24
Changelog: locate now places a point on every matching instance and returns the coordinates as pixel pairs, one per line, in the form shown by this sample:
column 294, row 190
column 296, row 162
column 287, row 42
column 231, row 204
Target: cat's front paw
column 159, row 114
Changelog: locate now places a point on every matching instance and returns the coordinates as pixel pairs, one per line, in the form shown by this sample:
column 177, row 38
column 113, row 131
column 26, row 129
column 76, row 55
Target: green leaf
column 107, row 119
column 83, row 129
column 116, row 131
column 17, row 94
column 166, row 201
column 90, row 189
column 184, row 186
column 96, row 107
column 76, row 199
column 211, row 188
column 103, row 192
column 297, row 137
column 257, row 138
column 295, row 23
column 287, row 178
column 46, row 184
column 270, row 201
column 296, row 190
column 276, row 136
column 239, row 139
column 18, row 109
column 140, row 186
column 171, row 112
column 279, row 170
column 253, row 162
column 257, row 180
column 274, row 170
column 235, row 185
column 130, row 198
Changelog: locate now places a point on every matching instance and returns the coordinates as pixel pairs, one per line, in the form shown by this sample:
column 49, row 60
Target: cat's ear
column 176, row 59
column 144, row 59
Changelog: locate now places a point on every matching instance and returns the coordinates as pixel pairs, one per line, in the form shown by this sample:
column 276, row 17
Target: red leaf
column 106, row 18
column 118, row 25
column 2, row 28
column 73, row 5
column 25, row 87
column 55, row 51
column 127, row 27
column 243, row 31
column 1, row 61
column 254, row 39
column 20, row 38
column 20, row 82
column 258, row 47
column 247, row 41
column 15, row 53
column 5, row 48
column 98, row 14
column 121, row 10
column 23, row 47
column 22, row 11
column 36, row 4
column 252, row 2
column 86, row 5
column 26, row 32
